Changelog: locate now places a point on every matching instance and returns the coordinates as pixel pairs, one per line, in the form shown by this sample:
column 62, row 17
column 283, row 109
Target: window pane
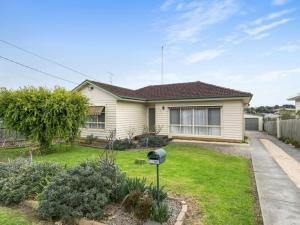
column 186, row 116
column 200, row 117
column 186, row 130
column 201, row 131
column 174, row 116
column 101, row 118
column 101, row 125
column 214, row 131
column 214, row 116
column 175, row 129
column 91, row 118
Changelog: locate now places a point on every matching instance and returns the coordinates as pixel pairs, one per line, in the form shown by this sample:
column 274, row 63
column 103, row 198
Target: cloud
column 272, row 16
column 195, row 16
column 291, row 47
column 166, row 5
column 257, row 30
column 205, row 55
column 279, row 74
column 279, row 2
column 261, row 36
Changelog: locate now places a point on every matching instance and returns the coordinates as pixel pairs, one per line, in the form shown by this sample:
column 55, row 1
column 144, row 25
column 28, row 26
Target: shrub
column 25, row 181
column 122, row 144
column 144, row 208
column 160, row 213
column 131, row 200
column 82, row 191
column 91, row 139
column 153, row 141
column 12, row 167
column 43, row 115
column 135, row 184
column 152, row 190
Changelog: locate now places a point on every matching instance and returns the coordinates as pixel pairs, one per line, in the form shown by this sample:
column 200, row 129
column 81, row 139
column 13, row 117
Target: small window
column 96, row 121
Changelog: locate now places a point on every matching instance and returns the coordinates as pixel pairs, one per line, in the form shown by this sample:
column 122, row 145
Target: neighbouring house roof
column 295, row 98
column 190, row 90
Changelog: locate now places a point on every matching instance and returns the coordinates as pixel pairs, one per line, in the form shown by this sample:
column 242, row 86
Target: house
column 193, row 110
column 297, row 101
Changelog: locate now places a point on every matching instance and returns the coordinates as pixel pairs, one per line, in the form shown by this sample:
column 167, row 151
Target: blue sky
column 250, row 45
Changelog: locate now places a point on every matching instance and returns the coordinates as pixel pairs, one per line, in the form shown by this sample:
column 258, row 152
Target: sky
column 250, row 45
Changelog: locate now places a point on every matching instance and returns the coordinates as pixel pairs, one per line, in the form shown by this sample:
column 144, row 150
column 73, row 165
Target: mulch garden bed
column 115, row 214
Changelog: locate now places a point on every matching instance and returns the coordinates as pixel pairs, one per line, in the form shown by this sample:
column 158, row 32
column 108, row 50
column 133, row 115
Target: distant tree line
column 268, row 109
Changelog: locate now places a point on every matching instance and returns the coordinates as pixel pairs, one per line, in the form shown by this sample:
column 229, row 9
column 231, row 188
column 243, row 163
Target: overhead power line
column 47, row 59
column 37, row 70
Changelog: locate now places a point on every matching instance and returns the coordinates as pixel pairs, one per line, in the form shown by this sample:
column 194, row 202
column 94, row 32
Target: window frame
column 193, row 126
column 97, row 123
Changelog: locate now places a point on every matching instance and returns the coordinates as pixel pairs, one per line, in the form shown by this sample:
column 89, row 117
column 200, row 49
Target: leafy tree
column 286, row 114
column 43, row 115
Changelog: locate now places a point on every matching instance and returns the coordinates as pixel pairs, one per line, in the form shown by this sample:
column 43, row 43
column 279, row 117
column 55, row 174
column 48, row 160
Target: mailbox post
column 157, row 157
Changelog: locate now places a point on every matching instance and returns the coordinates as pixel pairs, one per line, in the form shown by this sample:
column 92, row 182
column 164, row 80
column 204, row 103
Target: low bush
column 291, row 141
column 160, row 213
column 131, row 200
column 140, row 200
column 82, row 191
column 122, row 144
column 91, row 139
column 144, row 208
column 134, row 184
column 152, row 191
column 21, row 180
column 153, row 141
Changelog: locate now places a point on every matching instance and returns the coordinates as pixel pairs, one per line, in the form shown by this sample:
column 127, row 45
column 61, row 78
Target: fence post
column 278, row 127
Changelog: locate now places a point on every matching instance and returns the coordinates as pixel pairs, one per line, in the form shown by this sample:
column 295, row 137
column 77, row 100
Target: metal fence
column 10, row 138
column 290, row 128
column 270, row 127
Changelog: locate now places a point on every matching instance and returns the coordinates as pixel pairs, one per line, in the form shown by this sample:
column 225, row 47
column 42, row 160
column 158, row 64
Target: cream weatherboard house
column 193, row 110
column 297, row 101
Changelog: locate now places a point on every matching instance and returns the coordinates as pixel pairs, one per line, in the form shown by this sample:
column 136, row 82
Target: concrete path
column 287, row 163
column 278, row 195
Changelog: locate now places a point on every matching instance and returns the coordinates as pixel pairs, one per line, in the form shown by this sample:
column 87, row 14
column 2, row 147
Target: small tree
column 42, row 115
column 130, row 134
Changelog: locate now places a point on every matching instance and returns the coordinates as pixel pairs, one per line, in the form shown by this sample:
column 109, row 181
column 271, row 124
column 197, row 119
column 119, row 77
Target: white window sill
column 94, row 129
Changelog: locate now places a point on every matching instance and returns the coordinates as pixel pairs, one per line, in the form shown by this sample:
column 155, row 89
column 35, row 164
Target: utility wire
column 47, row 59
column 37, row 70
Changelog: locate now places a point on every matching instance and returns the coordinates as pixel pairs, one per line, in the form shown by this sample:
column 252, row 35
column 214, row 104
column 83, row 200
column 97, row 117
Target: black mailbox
column 157, row 156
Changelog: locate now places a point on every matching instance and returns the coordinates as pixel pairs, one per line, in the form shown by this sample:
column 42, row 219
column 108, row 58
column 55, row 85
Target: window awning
column 95, row 110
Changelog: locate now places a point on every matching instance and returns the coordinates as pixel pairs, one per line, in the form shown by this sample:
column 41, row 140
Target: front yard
column 220, row 184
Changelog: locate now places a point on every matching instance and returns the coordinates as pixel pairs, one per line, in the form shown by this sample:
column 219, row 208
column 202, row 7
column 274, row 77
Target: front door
column 151, row 119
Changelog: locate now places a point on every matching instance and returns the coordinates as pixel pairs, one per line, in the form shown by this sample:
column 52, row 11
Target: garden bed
column 115, row 214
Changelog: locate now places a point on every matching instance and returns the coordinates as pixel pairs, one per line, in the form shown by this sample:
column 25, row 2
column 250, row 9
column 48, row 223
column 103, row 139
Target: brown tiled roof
column 188, row 90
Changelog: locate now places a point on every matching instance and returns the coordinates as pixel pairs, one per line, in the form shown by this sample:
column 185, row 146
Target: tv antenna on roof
column 162, row 63
column 111, row 75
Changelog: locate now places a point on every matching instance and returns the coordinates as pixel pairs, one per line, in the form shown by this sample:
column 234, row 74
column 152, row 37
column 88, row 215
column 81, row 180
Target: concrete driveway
column 278, row 195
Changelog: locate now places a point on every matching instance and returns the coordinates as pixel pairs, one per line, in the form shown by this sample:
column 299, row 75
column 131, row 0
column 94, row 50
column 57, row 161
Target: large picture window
column 96, row 118
column 195, row 120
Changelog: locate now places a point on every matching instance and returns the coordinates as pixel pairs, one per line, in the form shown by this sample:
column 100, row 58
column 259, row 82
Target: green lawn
column 10, row 216
column 221, row 184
